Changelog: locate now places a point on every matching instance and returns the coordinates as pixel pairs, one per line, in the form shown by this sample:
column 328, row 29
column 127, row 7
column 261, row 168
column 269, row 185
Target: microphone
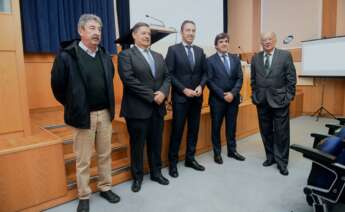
column 156, row 19
column 288, row 39
column 239, row 48
column 241, row 51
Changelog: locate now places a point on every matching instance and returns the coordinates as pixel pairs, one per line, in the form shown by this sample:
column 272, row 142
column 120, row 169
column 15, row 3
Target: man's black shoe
column 110, row 196
column 160, row 179
column 236, row 156
column 83, row 205
column 136, row 185
column 218, row 159
column 173, row 171
column 283, row 171
column 268, row 163
column 194, row 164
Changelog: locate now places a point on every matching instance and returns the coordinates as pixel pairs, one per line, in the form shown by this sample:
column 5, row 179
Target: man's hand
column 158, row 97
column 189, row 92
column 228, row 97
column 198, row 91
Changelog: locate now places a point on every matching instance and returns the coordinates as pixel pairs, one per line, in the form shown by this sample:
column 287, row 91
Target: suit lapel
column 143, row 60
column 261, row 63
column 196, row 57
column 157, row 60
column 232, row 65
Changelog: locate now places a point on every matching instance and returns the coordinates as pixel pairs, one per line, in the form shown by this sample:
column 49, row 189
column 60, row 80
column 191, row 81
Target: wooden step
column 66, row 133
column 63, row 131
column 70, row 165
column 68, row 144
column 115, row 146
column 118, row 167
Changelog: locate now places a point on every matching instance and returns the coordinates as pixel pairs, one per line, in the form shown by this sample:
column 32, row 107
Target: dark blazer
column 278, row 87
column 219, row 81
column 69, row 84
column 182, row 75
column 139, row 83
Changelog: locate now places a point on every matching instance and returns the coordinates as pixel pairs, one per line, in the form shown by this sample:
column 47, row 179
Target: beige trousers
column 98, row 136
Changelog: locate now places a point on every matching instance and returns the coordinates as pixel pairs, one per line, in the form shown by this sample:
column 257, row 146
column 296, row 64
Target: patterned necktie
column 226, row 64
column 190, row 56
column 267, row 63
column 151, row 62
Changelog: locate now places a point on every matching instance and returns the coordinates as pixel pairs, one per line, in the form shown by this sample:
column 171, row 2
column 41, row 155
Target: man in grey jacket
column 273, row 82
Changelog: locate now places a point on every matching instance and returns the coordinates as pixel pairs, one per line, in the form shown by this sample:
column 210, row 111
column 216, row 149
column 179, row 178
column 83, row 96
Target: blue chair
column 326, row 182
column 338, row 131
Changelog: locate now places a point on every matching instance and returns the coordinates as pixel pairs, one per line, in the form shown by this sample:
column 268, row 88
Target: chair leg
column 320, row 207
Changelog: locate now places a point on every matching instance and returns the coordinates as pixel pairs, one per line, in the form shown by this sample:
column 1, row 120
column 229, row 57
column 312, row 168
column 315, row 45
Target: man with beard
column 187, row 66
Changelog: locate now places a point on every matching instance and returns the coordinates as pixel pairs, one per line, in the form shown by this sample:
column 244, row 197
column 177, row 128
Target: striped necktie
column 151, row 62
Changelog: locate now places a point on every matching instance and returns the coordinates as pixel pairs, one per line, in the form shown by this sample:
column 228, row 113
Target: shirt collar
column 221, row 54
column 87, row 50
column 185, row 44
column 272, row 52
column 142, row 49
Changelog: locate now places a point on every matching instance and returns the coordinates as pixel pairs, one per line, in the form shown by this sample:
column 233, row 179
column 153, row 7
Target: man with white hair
column 273, row 82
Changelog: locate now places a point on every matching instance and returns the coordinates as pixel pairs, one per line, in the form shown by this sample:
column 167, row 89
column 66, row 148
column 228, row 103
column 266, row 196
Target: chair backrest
column 332, row 145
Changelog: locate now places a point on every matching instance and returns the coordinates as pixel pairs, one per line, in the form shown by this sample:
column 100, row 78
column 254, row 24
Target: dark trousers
column 274, row 126
column 188, row 111
column 219, row 111
column 147, row 131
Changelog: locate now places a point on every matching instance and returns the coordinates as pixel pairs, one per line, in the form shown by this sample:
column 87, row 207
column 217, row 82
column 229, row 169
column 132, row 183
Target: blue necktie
column 190, row 56
column 226, row 64
column 151, row 62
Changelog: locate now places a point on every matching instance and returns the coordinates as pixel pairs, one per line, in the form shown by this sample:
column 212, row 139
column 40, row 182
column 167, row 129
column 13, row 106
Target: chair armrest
column 314, row 154
column 341, row 121
column 317, row 138
column 332, row 128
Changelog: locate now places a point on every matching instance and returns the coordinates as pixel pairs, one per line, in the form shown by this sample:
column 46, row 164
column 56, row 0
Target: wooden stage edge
column 19, row 149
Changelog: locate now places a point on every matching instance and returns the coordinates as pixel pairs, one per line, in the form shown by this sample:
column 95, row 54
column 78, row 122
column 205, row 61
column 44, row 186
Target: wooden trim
column 39, row 58
column 21, row 69
column 296, row 55
column 329, row 18
column 256, row 25
column 14, row 145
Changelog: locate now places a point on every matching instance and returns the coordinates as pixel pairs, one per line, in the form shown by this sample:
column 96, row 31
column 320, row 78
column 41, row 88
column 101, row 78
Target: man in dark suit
column 146, row 84
column 187, row 66
column 273, row 82
column 225, row 80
